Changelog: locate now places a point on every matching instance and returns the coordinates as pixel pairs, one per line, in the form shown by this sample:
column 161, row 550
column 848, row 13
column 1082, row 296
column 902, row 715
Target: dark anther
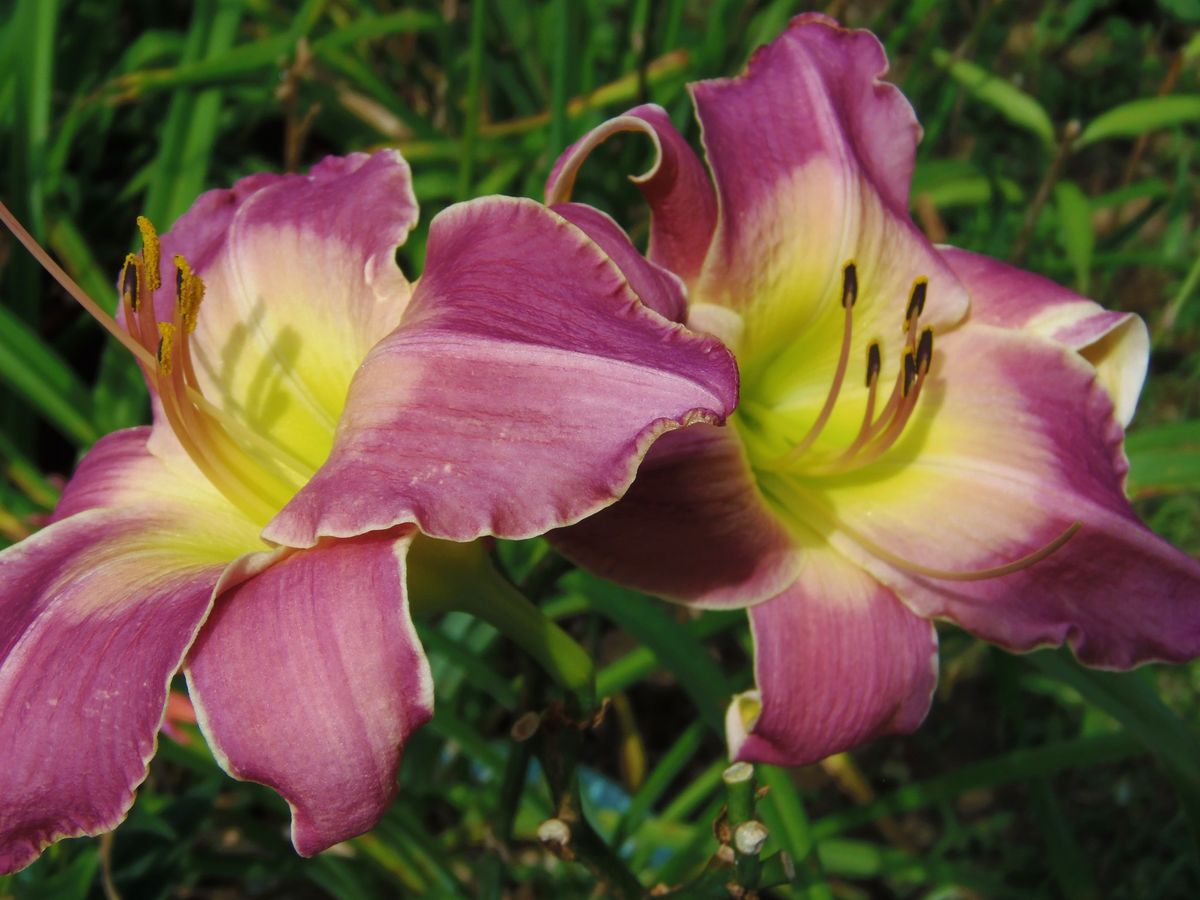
column 916, row 301
column 873, row 363
column 130, row 285
column 910, row 371
column 179, row 283
column 925, row 350
column 849, row 285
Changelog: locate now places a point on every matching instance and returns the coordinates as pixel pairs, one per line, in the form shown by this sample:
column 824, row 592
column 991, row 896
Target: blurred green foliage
column 1060, row 134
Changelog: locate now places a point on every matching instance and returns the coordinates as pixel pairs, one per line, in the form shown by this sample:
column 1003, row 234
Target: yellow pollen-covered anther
column 189, row 294
column 166, row 342
column 129, row 281
column 151, row 252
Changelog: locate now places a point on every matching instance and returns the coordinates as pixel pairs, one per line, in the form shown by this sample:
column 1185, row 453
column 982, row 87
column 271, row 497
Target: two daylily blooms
column 922, row 433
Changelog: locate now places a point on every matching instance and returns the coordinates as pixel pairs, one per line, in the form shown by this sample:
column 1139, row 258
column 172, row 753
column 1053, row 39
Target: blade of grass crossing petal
column 190, row 130
column 559, row 77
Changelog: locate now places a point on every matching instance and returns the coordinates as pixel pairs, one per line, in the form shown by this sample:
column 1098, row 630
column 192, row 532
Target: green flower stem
column 739, row 793
column 445, row 576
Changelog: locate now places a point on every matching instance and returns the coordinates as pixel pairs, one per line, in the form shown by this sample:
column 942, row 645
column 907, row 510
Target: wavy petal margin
column 310, row 678
column 838, row 660
column 1018, row 442
column 519, row 394
column 98, row 611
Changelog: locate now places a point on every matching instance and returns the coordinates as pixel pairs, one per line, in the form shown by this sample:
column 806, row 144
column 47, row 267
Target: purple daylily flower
column 314, row 411
column 923, row 433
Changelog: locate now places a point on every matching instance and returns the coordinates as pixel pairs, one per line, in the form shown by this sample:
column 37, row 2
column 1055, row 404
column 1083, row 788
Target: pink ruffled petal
column 658, row 288
column 838, row 660
column 682, row 203
column 1117, row 344
column 96, row 614
column 309, row 678
column 691, row 528
column 519, row 394
column 1013, row 443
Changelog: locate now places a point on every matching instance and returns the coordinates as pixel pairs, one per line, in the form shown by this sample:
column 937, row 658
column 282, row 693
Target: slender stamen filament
column 877, row 433
column 849, row 297
column 874, row 363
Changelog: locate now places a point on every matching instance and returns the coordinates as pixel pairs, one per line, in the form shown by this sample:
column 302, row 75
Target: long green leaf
column 676, row 649
column 1075, row 230
column 1138, row 117
column 1007, row 99
column 49, row 385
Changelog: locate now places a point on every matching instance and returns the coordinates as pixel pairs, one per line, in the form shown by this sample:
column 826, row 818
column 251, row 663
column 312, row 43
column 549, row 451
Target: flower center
column 808, row 462
column 877, row 433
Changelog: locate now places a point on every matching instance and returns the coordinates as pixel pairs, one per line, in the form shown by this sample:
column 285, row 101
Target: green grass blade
column 1014, row 767
column 1007, row 99
column 1141, row 116
column 1075, row 231
column 673, row 645
column 41, row 377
